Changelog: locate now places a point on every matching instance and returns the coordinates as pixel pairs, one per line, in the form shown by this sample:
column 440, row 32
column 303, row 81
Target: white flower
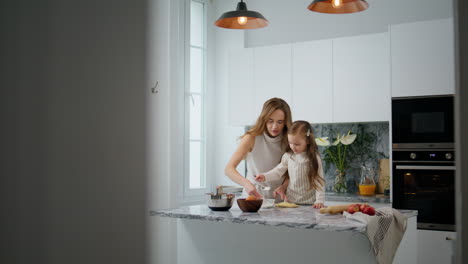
column 322, row 141
column 338, row 140
column 348, row 139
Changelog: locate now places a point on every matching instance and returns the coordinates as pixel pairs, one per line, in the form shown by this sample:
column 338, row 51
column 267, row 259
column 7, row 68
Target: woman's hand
column 260, row 177
column 251, row 190
column 281, row 191
column 318, row 205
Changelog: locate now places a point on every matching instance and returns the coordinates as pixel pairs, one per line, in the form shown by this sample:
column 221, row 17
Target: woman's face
column 275, row 123
column 297, row 143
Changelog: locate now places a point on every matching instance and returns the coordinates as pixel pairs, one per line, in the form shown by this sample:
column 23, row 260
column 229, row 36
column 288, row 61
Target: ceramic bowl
column 250, row 206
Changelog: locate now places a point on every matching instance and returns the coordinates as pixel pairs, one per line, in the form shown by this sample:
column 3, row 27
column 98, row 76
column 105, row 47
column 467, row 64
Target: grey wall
column 461, row 112
column 291, row 21
column 73, row 83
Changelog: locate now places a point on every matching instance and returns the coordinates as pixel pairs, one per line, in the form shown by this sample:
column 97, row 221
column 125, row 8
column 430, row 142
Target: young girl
column 303, row 163
column 262, row 147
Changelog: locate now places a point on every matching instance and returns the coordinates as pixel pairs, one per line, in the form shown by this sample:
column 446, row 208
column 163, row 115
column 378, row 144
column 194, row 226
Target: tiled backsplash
column 377, row 134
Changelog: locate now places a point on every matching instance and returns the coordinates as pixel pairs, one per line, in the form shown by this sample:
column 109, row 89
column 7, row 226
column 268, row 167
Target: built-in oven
column 423, row 165
column 423, row 122
column 424, row 180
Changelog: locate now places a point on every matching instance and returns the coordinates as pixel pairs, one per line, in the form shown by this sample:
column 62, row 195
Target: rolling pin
column 334, row 209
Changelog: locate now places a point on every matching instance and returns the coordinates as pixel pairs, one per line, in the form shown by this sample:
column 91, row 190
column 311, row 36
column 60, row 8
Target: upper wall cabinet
column 241, row 87
column 272, row 74
column 312, row 81
column 361, row 78
column 423, row 58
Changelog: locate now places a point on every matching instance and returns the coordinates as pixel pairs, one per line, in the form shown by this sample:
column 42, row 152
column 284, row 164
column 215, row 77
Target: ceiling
column 291, row 21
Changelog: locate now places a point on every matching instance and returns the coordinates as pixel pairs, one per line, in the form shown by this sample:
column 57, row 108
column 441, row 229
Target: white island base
column 206, row 242
column 278, row 236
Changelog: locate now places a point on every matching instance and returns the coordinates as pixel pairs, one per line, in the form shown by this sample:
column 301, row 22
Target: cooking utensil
column 220, row 202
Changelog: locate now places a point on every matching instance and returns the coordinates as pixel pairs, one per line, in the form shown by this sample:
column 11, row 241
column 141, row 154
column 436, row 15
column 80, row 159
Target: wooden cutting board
column 384, row 175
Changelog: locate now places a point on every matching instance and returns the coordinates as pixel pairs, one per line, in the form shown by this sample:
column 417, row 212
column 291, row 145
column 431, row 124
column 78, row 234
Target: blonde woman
column 262, row 147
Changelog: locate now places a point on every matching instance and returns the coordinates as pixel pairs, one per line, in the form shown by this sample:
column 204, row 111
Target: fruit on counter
column 353, row 208
column 334, row 209
column 363, row 206
column 251, row 198
column 369, row 210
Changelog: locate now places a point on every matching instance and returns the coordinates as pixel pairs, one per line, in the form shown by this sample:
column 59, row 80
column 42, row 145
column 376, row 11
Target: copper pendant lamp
column 241, row 18
column 338, row 6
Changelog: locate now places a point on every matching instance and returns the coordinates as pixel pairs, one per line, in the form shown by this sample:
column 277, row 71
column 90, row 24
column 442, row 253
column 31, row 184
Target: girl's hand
column 260, row 178
column 318, row 205
column 252, row 191
column 281, row 192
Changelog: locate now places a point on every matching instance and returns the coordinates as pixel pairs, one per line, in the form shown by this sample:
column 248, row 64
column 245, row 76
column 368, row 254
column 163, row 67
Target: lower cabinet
column 435, row 247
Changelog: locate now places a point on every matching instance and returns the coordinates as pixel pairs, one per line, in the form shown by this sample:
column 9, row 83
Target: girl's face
column 275, row 123
column 297, row 143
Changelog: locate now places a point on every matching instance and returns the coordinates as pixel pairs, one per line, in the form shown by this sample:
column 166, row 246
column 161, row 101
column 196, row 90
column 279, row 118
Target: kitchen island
column 277, row 235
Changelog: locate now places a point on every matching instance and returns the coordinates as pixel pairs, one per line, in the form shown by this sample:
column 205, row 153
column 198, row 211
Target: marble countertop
column 303, row 217
column 356, row 198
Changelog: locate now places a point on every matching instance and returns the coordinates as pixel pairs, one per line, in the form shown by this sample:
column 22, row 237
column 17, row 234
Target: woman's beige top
column 265, row 155
column 299, row 190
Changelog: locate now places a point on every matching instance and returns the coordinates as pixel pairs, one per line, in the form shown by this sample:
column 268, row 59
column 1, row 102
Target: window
column 195, row 181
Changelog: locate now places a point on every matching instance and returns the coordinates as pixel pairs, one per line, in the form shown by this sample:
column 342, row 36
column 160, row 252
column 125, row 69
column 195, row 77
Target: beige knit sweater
column 299, row 186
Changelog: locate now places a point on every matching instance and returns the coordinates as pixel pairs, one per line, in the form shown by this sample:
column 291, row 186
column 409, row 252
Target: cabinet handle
column 449, row 238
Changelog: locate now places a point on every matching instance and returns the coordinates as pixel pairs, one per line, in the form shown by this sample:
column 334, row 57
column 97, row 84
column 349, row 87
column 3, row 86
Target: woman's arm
column 245, row 146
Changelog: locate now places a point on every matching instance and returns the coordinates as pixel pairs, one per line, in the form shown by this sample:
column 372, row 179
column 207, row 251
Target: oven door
column 422, row 120
column 428, row 188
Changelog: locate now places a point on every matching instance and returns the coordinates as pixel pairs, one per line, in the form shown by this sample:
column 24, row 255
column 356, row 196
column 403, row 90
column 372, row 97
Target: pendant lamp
column 241, row 18
column 338, row 6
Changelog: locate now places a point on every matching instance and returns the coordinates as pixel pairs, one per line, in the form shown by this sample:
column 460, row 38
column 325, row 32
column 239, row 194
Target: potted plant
column 336, row 153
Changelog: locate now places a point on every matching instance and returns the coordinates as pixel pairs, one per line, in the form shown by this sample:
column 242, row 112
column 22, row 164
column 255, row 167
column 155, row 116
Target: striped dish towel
column 385, row 230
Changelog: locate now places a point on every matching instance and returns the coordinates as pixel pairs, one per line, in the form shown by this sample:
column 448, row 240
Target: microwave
column 423, row 122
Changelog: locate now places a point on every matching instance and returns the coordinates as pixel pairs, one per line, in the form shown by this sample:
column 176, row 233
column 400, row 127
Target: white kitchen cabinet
column 361, row 78
column 271, row 74
column 423, row 58
column 435, row 247
column 241, row 87
column 312, row 81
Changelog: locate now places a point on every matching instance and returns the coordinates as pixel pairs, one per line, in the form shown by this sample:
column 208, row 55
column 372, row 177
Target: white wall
column 291, row 21
column 226, row 136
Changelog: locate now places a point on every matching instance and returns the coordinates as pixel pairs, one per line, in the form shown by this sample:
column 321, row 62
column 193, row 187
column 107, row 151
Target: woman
column 262, row 147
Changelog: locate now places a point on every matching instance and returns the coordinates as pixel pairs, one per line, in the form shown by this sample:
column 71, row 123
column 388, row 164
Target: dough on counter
column 287, row 205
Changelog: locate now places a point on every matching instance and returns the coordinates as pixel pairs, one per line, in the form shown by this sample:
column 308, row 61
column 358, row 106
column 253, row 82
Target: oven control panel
column 424, row 155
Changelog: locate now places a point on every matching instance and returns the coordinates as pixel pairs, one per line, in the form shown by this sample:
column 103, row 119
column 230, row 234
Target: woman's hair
column 269, row 107
column 303, row 128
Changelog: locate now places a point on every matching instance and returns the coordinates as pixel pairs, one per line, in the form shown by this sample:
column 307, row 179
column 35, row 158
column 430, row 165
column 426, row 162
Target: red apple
column 363, row 206
column 353, row 208
column 369, row 210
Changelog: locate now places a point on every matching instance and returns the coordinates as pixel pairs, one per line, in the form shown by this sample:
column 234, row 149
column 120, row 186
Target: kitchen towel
column 385, row 230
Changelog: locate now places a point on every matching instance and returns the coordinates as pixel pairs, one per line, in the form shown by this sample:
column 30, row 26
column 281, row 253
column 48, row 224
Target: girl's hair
column 303, row 128
column 269, row 107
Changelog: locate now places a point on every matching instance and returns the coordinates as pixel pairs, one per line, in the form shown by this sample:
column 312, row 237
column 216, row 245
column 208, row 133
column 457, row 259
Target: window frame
column 192, row 194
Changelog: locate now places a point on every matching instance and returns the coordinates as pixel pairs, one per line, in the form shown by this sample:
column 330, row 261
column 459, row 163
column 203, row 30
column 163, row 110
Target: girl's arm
column 281, row 190
column 246, row 144
column 320, row 193
column 278, row 171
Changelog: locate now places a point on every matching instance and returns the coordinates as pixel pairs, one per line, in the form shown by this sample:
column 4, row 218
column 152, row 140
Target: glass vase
column 340, row 182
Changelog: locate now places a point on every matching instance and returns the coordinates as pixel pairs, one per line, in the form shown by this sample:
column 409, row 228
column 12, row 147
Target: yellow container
column 366, row 189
